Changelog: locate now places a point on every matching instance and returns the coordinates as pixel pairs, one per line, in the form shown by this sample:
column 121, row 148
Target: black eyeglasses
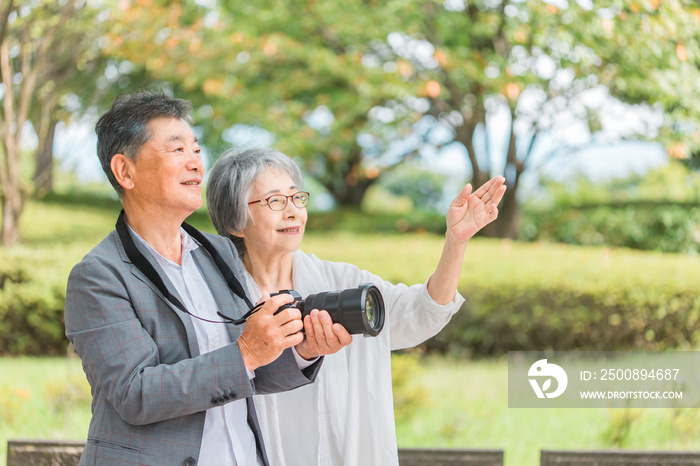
column 279, row 201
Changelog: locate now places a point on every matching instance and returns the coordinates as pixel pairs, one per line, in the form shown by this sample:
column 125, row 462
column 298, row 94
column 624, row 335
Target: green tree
column 663, row 68
column 541, row 64
column 302, row 79
column 339, row 82
column 47, row 55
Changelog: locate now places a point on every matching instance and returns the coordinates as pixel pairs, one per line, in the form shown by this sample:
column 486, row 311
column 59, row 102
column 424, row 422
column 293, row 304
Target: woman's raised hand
column 470, row 212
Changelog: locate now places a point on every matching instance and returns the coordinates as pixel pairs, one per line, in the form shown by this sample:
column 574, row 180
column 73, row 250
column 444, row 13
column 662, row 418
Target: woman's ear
column 237, row 234
column 122, row 168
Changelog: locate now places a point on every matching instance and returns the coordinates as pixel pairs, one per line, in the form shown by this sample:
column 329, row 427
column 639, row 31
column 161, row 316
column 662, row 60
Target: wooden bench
column 619, row 458
column 449, row 457
column 44, row 452
column 67, row 453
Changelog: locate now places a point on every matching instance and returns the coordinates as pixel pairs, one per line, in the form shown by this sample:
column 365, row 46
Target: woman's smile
column 290, row 230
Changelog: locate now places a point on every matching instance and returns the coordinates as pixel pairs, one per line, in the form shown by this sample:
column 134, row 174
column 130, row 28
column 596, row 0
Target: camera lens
column 359, row 310
column 372, row 310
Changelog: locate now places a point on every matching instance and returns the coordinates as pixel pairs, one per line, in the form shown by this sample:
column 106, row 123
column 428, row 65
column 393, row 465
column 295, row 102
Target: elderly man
column 156, row 311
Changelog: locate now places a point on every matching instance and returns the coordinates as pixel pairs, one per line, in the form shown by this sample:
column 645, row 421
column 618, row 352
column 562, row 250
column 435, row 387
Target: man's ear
column 122, row 168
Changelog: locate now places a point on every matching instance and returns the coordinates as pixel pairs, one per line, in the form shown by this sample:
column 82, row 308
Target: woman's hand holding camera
column 322, row 336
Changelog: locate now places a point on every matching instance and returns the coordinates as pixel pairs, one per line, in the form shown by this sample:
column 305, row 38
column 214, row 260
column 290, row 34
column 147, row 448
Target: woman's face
column 274, row 231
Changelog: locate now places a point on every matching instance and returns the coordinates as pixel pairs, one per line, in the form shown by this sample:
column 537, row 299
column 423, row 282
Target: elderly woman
column 256, row 198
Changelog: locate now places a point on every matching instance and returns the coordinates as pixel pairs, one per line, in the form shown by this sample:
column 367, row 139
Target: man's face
column 168, row 171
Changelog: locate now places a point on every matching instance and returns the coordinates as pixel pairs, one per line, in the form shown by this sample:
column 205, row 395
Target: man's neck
column 161, row 232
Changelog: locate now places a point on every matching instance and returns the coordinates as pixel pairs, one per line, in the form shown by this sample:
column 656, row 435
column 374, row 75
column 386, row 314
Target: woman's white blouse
column 347, row 416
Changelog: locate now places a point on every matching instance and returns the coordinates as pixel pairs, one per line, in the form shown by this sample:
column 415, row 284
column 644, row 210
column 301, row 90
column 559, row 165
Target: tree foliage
column 654, row 57
column 46, row 48
column 54, row 68
column 340, row 84
column 302, row 79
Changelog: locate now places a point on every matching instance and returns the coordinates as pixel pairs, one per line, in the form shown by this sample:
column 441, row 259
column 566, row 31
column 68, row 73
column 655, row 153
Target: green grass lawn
column 65, row 232
column 42, row 398
column 467, row 407
column 464, row 404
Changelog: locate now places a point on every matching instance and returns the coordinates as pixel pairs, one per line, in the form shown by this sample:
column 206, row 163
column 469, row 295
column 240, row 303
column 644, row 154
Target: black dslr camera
column 359, row 310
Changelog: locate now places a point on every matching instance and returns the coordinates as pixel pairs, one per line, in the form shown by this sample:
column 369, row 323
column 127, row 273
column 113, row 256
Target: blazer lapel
column 184, row 318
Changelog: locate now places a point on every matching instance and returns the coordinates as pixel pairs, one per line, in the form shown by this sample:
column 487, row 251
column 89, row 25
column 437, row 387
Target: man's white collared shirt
column 227, row 438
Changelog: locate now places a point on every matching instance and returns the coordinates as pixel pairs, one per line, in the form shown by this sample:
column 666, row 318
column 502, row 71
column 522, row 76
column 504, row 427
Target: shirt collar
column 188, row 245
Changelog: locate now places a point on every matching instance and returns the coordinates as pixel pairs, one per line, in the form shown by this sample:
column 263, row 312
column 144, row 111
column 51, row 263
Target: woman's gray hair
column 230, row 185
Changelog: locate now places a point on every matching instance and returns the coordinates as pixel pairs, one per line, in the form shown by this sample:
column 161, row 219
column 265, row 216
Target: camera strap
column 141, row 263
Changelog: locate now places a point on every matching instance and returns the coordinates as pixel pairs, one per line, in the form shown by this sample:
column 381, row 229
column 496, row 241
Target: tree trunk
column 508, row 222
column 350, row 195
column 347, row 181
column 43, row 174
column 11, row 211
column 10, row 183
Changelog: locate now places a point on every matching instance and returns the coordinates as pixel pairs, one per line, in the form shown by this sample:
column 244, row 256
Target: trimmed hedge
column 661, row 226
column 357, row 221
column 493, row 322
column 55, row 235
column 32, row 297
column 656, row 211
column 537, row 297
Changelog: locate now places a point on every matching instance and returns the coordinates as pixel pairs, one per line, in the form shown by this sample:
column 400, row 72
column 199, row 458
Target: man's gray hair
column 231, row 183
column 123, row 129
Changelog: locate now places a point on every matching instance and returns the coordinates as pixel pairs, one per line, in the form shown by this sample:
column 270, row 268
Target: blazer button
column 222, row 400
column 233, row 395
column 190, row 461
column 215, row 401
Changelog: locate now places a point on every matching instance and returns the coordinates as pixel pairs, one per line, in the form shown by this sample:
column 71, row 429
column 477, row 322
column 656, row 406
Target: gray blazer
column 150, row 385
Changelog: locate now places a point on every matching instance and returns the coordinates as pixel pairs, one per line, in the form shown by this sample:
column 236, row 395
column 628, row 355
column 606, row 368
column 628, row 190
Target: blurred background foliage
column 368, row 97
column 355, row 89
column 352, row 99
column 659, row 210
